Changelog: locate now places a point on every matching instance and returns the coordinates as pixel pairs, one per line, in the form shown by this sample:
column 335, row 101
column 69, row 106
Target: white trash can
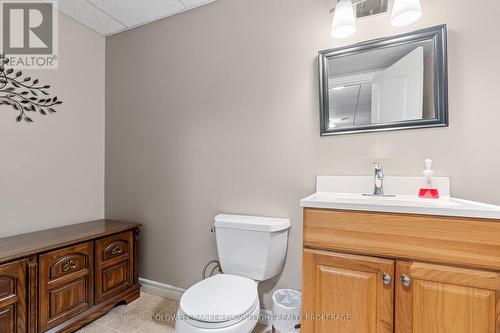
column 286, row 310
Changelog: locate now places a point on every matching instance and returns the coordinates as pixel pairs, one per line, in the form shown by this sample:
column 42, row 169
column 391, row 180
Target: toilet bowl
column 250, row 249
column 223, row 303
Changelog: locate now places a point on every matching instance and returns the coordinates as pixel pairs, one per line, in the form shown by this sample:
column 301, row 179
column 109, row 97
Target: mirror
column 386, row 84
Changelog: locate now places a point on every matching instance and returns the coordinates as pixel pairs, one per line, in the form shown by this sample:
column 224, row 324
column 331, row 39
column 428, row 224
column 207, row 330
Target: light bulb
column 344, row 21
column 405, row 12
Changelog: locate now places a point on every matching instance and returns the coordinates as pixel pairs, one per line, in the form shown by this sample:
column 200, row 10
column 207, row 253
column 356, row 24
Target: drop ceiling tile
column 136, row 12
column 89, row 15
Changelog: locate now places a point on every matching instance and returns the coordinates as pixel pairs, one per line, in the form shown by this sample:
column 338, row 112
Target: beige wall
column 216, row 110
column 52, row 171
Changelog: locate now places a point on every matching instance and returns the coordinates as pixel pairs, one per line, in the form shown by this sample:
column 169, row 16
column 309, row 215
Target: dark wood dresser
column 60, row 279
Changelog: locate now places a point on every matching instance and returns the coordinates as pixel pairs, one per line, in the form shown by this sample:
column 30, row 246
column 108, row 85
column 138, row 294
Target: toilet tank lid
column 253, row 223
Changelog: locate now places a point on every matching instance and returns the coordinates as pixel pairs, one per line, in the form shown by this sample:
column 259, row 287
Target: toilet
column 251, row 249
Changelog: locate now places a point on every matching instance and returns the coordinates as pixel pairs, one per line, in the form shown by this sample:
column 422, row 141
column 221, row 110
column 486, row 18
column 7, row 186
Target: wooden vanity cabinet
column 61, row 279
column 13, row 297
column 434, row 298
column 347, row 293
column 441, row 274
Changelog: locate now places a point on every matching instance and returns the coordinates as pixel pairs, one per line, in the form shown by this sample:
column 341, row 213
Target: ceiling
column 108, row 17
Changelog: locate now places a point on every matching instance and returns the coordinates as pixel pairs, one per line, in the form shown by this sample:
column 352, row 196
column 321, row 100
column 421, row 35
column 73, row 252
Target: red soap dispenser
column 428, row 190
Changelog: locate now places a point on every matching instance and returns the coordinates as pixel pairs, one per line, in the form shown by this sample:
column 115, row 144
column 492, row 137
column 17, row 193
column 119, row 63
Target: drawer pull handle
column 405, row 279
column 116, row 250
column 69, row 266
column 386, row 278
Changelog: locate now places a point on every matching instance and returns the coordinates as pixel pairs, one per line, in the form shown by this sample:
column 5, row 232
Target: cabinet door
column 347, row 293
column 114, row 265
column 13, row 297
column 66, row 284
column 441, row 299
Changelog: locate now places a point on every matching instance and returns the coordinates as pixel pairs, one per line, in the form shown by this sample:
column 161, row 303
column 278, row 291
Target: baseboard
column 168, row 291
column 161, row 289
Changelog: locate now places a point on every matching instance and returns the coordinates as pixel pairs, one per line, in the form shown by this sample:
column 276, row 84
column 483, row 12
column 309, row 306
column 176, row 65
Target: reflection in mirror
column 385, row 84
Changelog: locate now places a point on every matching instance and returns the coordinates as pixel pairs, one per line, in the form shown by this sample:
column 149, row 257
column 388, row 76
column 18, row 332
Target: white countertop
column 335, row 193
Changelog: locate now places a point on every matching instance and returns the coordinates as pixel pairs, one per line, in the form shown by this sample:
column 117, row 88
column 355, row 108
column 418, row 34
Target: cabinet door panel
column 346, row 293
column 441, row 299
column 361, row 296
column 7, row 286
column 68, row 298
column 116, row 276
column 8, row 319
column 114, row 265
column 13, row 298
column 66, row 284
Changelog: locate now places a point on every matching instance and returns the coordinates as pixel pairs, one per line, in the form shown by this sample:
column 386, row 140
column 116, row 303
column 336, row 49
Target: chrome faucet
column 378, row 180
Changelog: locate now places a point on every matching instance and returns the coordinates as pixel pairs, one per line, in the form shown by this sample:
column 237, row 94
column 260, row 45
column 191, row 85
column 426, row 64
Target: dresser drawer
column 114, row 247
column 114, row 265
column 66, row 284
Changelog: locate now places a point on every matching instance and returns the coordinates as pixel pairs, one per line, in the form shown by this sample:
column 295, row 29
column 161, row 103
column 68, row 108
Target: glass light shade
column 405, row 12
column 344, row 21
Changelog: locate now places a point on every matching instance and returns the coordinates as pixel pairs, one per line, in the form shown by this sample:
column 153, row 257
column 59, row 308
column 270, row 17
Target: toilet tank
column 251, row 246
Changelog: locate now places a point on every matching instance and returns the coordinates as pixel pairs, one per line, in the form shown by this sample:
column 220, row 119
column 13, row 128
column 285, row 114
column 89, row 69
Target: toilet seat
column 215, row 325
column 182, row 325
column 220, row 301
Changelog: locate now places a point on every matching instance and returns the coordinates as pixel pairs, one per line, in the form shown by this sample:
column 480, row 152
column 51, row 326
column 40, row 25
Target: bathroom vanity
column 398, row 264
column 61, row 279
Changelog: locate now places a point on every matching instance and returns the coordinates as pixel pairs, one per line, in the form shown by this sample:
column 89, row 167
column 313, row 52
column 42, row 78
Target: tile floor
column 149, row 313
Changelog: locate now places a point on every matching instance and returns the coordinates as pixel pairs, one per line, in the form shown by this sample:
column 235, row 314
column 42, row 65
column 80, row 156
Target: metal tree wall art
column 24, row 94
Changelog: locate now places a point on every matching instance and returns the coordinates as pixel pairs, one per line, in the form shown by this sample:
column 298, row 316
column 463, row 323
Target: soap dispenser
column 428, row 189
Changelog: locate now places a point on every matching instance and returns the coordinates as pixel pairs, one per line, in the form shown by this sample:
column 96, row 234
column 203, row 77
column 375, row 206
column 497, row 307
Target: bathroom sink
column 353, row 193
column 401, row 200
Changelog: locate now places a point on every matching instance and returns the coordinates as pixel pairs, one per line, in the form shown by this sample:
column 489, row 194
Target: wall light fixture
column 404, row 12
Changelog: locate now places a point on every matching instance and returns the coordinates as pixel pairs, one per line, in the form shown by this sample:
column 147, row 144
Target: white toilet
column 251, row 249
